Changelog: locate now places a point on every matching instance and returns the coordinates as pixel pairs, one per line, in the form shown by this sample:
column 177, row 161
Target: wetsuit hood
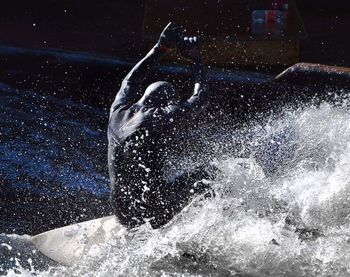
column 159, row 94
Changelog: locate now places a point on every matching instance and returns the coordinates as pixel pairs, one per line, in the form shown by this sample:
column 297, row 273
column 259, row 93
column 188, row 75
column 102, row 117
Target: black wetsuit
column 139, row 140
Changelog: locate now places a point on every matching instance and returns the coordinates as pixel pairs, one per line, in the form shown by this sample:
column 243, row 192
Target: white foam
column 297, row 167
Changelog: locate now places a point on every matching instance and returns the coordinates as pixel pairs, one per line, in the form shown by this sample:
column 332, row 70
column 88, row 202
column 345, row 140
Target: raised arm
column 199, row 100
column 168, row 40
column 200, row 96
column 142, row 69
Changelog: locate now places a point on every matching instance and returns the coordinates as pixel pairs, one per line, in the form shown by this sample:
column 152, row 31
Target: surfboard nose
column 66, row 245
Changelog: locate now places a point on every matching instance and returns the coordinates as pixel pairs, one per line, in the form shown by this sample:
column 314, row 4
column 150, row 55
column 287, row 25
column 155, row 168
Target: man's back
column 140, row 135
column 138, row 147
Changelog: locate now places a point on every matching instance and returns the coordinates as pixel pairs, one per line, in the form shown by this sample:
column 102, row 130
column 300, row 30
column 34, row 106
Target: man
column 142, row 126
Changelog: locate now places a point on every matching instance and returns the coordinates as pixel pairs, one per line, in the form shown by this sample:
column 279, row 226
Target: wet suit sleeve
column 200, row 96
column 128, row 91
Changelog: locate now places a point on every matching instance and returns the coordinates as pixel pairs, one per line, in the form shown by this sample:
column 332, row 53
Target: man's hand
column 190, row 48
column 170, row 37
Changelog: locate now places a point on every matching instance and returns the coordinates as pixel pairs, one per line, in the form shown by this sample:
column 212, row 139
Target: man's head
column 160, row 94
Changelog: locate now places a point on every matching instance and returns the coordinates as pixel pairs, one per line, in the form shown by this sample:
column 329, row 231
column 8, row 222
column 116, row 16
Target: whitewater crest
column 279, row 206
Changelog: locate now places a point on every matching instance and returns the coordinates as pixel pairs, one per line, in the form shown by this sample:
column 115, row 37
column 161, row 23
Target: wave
column 279, row 206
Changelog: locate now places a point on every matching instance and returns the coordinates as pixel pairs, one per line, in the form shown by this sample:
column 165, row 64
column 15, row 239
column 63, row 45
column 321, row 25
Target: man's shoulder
column 129, row 85
column 118, row 107
column 126, row 93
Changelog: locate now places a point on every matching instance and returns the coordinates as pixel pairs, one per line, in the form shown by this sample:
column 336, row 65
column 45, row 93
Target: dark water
column 53, row 161
column 281, row 204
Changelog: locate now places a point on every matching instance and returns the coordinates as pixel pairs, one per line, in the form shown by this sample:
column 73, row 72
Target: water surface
column 279, row 206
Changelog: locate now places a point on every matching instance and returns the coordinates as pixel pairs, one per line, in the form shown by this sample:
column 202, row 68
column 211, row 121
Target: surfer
column 142, row 126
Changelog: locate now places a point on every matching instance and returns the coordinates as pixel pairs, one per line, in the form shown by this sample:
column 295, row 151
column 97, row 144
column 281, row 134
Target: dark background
column 115, row 27
column 112, row 28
